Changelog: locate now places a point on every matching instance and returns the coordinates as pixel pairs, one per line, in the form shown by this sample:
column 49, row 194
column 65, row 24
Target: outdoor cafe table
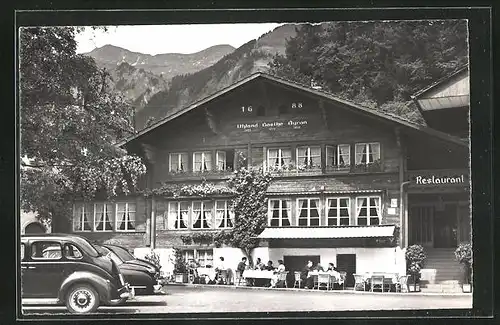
column 207, row 272
column 393, row 276
column 258, row 274
column 338, row 278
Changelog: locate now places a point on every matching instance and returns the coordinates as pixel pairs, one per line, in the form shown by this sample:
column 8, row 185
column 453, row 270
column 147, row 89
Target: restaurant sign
column 439, row 178
column 272, row 125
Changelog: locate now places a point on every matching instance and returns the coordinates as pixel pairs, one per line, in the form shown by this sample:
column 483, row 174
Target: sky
column 149, row 39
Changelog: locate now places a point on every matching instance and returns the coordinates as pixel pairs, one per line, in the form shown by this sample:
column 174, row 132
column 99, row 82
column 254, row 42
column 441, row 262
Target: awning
column 328, row 232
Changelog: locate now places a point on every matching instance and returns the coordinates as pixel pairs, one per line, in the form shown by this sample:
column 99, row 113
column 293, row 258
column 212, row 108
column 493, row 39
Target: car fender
column 101, row 285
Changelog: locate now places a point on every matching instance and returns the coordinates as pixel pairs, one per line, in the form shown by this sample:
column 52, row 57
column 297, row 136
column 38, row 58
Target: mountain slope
column 253, row 56
column 168, row 64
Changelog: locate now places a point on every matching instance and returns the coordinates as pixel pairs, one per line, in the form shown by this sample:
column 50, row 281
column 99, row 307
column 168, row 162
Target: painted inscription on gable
column 272, row 125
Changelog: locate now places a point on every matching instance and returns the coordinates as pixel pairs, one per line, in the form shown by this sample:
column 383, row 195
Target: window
column 189, row 255
column 368, row 210
column 46, row 250
column 308, row 212
column 279, row 213
column 202, row 161
column 102, row 215
column 202, row 215
column 338, row 157
column 205, row 257
column 225, row 160
column 224, row 215
column 278, row 159
column 308, row 157
column 72, row 252
column 81, row 217
column 178, row 162
column 178, row 215
column 125, row 216
column 221, row 160
column 367, row 153
column 22, row 251
column 338, row 211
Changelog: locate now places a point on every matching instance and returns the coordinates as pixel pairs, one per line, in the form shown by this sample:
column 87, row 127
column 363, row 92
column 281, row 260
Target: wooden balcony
column 196, row 175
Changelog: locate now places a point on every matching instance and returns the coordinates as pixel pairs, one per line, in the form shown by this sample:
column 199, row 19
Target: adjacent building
column 351, row 185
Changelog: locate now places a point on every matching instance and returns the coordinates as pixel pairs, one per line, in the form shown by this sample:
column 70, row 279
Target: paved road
column 189, row 299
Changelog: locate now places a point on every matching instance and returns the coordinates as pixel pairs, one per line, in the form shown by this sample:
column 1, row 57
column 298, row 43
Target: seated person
column 304, row 275
column 332, row 270
column 319, row 268
column 280, row 269
column 270, row 266
column 259, row 265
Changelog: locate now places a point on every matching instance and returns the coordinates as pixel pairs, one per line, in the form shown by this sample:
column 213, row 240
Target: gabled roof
column 318, row 92
column 439, row 82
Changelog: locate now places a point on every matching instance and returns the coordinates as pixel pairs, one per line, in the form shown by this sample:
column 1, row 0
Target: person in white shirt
column 222, row 271
column 332, row 270
column 281, row 269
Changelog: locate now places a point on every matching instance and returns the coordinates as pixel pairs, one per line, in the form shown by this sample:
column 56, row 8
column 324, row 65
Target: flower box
column 181, row 278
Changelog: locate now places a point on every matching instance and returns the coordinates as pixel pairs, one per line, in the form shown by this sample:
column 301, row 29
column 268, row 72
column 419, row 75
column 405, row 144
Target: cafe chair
column 377, row 283
column 298, row 280
column 323, row 280
column 359, row 281
column 401, row 285
column 282, row 277
column 388, row 283
column 343, row 276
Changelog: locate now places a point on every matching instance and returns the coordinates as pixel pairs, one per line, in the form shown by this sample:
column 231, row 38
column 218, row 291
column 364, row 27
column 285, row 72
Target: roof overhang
column 382, row 231
column 318, row 92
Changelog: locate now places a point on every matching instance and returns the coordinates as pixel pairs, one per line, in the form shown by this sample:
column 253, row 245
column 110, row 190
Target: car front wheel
column 82, row 299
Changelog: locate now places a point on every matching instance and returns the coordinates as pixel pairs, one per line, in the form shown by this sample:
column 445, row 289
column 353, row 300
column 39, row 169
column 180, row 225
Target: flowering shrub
column 153, row 258
column 463, row 254
column 415, row 257
column 199, row 190
column 180, row 265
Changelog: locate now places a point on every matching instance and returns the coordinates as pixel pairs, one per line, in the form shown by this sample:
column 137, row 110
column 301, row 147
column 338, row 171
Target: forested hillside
column 377, row 64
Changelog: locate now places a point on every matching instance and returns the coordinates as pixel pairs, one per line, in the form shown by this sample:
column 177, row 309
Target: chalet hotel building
column 352, row 185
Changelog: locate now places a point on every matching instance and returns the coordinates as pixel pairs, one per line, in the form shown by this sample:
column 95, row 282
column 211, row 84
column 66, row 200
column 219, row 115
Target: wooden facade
column 324, row 154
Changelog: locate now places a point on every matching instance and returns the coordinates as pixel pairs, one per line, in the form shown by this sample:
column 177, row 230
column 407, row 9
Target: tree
column 70, row 122
column 374, row 63
column 250, row 208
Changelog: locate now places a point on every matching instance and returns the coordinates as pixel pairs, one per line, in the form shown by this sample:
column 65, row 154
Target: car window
column 22, row 251
column 46, row 250
column 72, row 252
column 115, row 258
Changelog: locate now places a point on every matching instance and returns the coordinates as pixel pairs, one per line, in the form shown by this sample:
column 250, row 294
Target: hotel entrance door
column 445, row 227
column 421, row 225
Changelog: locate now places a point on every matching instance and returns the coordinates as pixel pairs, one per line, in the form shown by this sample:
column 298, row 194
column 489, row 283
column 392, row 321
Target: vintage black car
column 69, row 269
column 142, row 279
column 126, row 256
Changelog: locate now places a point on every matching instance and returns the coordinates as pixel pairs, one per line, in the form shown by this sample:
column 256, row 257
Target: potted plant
column 180, row 267
column 463, row 255
column 415, row 257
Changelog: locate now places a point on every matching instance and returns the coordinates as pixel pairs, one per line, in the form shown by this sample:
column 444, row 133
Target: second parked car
column 142, row 279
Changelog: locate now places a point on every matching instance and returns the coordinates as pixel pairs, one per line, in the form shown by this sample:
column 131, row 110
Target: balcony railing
column 197, row 174
column 292, row 170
